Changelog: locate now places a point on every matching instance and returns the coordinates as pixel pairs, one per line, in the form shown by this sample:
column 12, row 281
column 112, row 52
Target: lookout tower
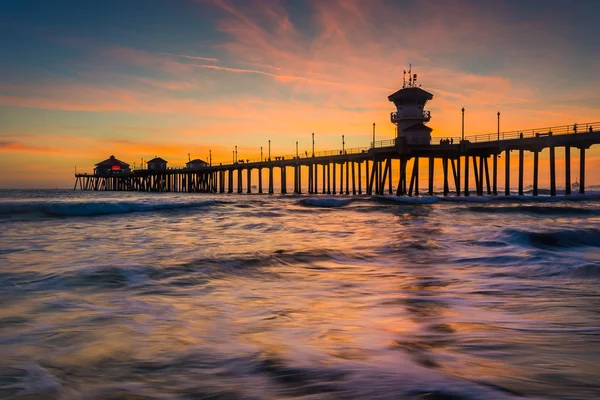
column 410, row 116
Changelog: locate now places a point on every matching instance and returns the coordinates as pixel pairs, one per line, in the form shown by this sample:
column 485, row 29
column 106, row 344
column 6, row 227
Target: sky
column 83, row 80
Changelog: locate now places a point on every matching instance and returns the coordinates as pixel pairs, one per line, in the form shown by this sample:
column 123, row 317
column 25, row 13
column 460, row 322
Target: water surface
column 194, row 296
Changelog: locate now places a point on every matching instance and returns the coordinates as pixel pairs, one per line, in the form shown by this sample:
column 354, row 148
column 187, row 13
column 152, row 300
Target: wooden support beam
column 400, row 187
column 507, row 172
column 477, row 177
column 582, row 170
column 416, row 172
column 431, row 172
column 567, row 170
column 324, row 185
column 390, row 191
column 342, row 178
column 260, row 189
column 487, row 176
column 376, row 175
column 353, row 178
column 495, row 174
column 372, row 179
column 299, row 179
column 239, row 181
column 328, row 178
column 445, row 169
column 283, row 180
column 481, row 158
column 310, row 182
column 316, row 179
column 536, row 164
column 521, row 162
column 383, row 178
column 360, row 178
column 456, row 175
column 249, row 180
column 333, row 180
column 552, row 171
column 413, row 177
column 348, row 177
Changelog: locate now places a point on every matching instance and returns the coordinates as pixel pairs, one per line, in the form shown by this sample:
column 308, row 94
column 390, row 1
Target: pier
column 341, row 171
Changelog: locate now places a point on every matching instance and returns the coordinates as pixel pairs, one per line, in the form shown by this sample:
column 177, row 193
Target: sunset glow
column 83, row 80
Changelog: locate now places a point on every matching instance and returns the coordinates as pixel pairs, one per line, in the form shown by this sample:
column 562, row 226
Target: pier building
column 111, row 166
column 157, row 164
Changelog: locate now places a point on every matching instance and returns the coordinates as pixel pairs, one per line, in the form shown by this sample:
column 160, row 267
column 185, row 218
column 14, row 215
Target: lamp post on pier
column 261, row 154
column 269, row 149
column 343, row 144
column 373, row 134
column 463, row 124
column 498, row 125
column 236, row 157
column 296, row 149
column 313, row 144
column 210, row 158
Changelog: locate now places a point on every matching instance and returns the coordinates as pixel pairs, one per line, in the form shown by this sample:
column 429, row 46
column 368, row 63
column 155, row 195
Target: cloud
column 193, row 57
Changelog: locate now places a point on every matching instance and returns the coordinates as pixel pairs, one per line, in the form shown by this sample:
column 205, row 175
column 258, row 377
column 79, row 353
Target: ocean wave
column 82, row 209
column 538, row 210
column 325, row 202
column 556, row 239
column 407, row 200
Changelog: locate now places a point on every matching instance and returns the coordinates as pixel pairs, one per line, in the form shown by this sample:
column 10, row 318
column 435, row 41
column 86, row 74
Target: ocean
column 117, row 295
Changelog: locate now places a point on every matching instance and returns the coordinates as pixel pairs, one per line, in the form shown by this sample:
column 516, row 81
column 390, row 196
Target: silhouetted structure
column 111, row 166
column 413, row 143
column 196, row 164
column 157, row 164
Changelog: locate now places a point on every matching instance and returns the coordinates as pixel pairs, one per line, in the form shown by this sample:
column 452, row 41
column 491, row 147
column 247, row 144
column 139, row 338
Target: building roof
column 197, row 161
column 410, row 92
column 157, row 160
column 111, row 162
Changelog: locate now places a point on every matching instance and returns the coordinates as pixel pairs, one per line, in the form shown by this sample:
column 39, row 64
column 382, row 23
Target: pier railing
column 478, row 138
column 529, row 133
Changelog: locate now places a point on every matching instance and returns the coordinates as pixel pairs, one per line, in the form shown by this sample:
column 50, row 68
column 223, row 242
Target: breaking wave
column 82, row 209
column 556, row 239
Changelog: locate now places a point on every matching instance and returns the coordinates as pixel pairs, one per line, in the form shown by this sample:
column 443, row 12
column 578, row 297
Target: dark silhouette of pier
column 341, row 171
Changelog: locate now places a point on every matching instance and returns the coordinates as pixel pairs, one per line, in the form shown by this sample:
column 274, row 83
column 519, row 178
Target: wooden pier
column 341, row 171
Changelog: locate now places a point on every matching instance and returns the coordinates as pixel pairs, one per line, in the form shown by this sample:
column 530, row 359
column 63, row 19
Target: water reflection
column 270, row 298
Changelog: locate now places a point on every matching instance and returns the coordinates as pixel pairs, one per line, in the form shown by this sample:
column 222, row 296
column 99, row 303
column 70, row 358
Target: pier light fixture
column 210, row 158
column 233, row 156
column 313, row 144
column 463, row 124
column 498, row 125
column 269, row 150
column 343, row 144
column 296, row 149
column 261, row 154
column 373, row 134
column 236, row 156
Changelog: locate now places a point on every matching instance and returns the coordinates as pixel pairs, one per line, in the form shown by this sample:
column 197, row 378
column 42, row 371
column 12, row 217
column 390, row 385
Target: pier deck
column 326, row 169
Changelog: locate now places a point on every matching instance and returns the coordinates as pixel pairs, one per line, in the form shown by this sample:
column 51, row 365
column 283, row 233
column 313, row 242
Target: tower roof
column 111, row 162
column 413, row 94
